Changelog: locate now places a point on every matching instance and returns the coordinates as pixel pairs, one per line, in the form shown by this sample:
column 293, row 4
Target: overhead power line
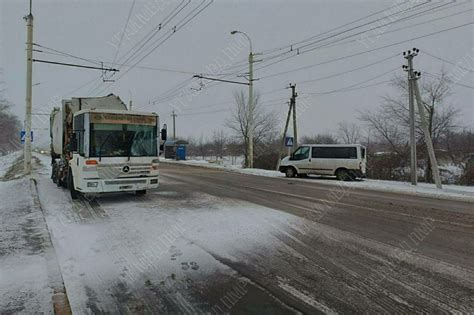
column 300, row 51
column 368, row 51
column 451, row 82
column 188, row 18
column 124, row 29
column 447, row 61
column 289, row 46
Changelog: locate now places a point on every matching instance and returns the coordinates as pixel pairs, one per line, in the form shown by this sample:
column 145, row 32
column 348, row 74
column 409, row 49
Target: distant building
column 175, row 149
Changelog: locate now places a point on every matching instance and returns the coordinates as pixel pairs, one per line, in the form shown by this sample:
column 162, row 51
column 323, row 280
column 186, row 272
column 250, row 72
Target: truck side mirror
column 163, row 134
column 73, row 143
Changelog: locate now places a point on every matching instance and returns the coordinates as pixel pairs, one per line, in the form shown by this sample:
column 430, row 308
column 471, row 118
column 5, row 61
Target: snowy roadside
column 449, row 192
column 119, row 252
column 25, row 249
column 7, row 160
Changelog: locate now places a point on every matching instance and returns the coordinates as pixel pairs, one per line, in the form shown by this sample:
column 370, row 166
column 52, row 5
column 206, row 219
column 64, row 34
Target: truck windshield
column 110, row 140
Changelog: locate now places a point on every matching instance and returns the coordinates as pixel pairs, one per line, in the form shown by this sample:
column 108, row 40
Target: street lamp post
column 250, row 113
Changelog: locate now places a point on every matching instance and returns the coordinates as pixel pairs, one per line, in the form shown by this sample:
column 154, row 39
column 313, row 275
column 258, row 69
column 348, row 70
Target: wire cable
column 124, row 29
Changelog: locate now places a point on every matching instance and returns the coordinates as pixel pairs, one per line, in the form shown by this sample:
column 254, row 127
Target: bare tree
column 219, row 141
column 265, row 122
column 9, row 126
column 325, row 138
column 391, row 121
column 348, row 132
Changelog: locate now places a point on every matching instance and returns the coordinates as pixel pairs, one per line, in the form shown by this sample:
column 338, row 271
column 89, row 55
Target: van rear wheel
column 342, row 174
column 290, row 172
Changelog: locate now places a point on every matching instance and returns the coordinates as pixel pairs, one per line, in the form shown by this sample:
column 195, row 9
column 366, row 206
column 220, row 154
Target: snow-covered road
column 157, row 253
column 209, row 241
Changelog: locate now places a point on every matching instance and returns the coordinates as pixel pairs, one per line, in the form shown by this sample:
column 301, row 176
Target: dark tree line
column 9, row 126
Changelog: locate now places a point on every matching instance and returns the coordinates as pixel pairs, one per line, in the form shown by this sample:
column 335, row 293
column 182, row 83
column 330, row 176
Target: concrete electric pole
column 250, row 112
column 284, row 135
column 293, row 104
column 291, row 109
column 426, row 132
column 174, row 124
column 411, row 101
column 414, row 92
column 29, row 90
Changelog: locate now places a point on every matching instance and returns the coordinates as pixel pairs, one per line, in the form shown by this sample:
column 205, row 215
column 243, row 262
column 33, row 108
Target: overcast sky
column 92, row 30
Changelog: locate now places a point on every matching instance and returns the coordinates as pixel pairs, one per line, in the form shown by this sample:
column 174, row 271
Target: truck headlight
column 92, row 184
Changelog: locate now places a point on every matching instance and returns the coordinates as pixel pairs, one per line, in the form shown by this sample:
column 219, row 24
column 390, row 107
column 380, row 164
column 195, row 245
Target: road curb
column 60, row 299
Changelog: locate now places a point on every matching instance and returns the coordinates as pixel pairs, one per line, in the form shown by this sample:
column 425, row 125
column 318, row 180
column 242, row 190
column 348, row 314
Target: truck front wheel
column 54, row 173
column 70, row 184
column 141, row 192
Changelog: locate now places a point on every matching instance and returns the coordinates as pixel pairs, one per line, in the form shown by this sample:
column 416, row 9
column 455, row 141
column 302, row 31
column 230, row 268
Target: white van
column 345, row 161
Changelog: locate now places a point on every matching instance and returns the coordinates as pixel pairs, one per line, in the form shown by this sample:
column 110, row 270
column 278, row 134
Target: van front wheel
column 290, row 172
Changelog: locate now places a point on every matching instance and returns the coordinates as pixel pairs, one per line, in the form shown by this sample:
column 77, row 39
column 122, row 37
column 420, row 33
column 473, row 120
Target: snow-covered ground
column 454, row 192
column 25, row 249
column 7, row 160
column 119, row 250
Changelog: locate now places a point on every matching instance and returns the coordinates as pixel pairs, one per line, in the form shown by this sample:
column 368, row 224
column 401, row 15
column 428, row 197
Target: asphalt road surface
column 208, row 241
column 359, row 250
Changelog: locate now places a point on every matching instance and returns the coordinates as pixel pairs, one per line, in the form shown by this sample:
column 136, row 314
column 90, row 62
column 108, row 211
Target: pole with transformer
column 408, row 55
column 29, row 91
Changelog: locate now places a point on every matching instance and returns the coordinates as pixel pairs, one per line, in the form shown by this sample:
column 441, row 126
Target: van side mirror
column 164, row 134
column 73, row 143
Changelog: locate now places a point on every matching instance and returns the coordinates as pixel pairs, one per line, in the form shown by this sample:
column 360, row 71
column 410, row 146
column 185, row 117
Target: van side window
column 334, row 153
column 362, row 153
column 301, row 153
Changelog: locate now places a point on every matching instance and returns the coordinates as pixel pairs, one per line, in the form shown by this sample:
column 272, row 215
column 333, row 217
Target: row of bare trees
column 9, row 125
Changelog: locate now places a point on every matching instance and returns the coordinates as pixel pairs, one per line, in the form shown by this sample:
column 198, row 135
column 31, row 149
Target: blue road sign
column 23, row 136
column 289, row 141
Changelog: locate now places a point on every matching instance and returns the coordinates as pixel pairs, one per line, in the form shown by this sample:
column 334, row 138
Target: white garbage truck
column 99, row 146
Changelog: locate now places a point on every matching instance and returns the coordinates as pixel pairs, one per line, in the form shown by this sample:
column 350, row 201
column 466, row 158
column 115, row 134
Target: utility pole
column 293, row 104
column 291, row 109
column 411, row 101
column 174, row 124
column 426, row 131
column 284, row 135
column 29, row 90
column 250, row 113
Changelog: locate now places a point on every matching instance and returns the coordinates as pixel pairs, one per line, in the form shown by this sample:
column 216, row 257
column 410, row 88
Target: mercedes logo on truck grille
column 126, row 169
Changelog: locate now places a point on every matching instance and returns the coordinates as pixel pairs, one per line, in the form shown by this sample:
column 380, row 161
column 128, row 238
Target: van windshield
column 301, row 153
